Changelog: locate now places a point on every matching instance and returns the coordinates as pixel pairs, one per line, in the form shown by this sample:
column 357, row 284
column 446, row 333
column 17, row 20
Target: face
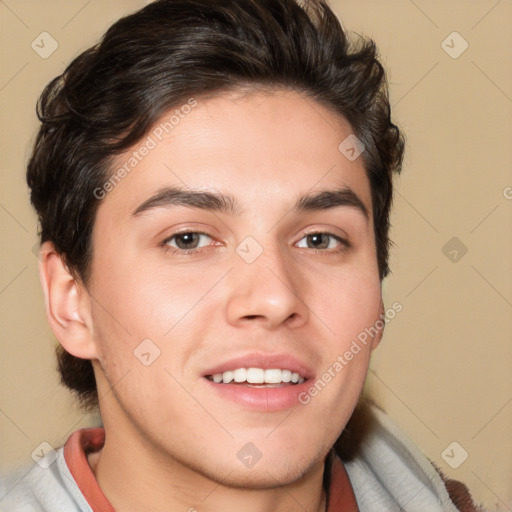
column 190, row 291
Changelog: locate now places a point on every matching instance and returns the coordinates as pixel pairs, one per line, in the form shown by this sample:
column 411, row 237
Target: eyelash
column 345, row 245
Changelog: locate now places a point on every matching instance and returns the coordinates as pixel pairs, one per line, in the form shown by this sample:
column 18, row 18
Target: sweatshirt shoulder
column 45, row 486
column 389, row 469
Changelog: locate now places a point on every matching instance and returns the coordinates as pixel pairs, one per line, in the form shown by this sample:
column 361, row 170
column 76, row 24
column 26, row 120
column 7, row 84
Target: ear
column 68, row 307
column 379, row 324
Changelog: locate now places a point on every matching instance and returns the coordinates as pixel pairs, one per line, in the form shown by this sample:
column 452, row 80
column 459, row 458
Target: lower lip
column 261, row 398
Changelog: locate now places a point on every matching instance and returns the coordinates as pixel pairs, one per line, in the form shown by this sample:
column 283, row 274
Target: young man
column 213, row 182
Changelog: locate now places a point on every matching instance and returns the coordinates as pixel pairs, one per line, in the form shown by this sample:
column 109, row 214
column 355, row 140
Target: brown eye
column 186, row 241
column 319, row 240
column 322, row 241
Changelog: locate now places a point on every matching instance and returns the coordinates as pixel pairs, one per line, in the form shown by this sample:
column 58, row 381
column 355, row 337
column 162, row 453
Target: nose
column 269, row 291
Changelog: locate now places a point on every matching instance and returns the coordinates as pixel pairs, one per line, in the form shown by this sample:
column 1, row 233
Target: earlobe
column 67, row 305
column 379, row 324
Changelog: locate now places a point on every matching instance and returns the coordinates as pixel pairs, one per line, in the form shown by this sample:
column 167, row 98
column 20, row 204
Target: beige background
column 443, row 371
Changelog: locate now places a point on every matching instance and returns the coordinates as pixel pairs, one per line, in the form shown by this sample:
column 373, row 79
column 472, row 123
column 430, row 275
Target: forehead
column 263, row 148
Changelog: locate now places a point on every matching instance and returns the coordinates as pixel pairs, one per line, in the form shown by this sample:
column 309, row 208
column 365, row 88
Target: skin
column 171, row 442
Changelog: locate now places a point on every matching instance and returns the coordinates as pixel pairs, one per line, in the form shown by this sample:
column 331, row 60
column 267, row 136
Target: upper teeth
column 258, row 376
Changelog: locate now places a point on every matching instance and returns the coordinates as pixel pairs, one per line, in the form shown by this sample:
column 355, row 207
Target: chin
column 263, row 474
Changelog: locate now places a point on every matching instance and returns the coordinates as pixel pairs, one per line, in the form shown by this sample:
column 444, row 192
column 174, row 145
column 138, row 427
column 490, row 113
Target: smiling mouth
column 258, row 377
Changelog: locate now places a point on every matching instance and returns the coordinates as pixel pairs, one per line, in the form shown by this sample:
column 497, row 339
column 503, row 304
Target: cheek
column 141, row 301
column 350, row 305
column 349, row 309
column 154, row 317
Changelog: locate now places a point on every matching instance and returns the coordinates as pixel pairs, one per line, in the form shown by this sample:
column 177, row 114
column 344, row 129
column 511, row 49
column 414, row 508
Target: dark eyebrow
column 226, row 203
column 177, row 196
column 326, row 199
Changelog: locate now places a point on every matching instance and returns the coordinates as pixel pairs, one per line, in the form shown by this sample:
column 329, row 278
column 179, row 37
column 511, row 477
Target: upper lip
column 264, row 361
